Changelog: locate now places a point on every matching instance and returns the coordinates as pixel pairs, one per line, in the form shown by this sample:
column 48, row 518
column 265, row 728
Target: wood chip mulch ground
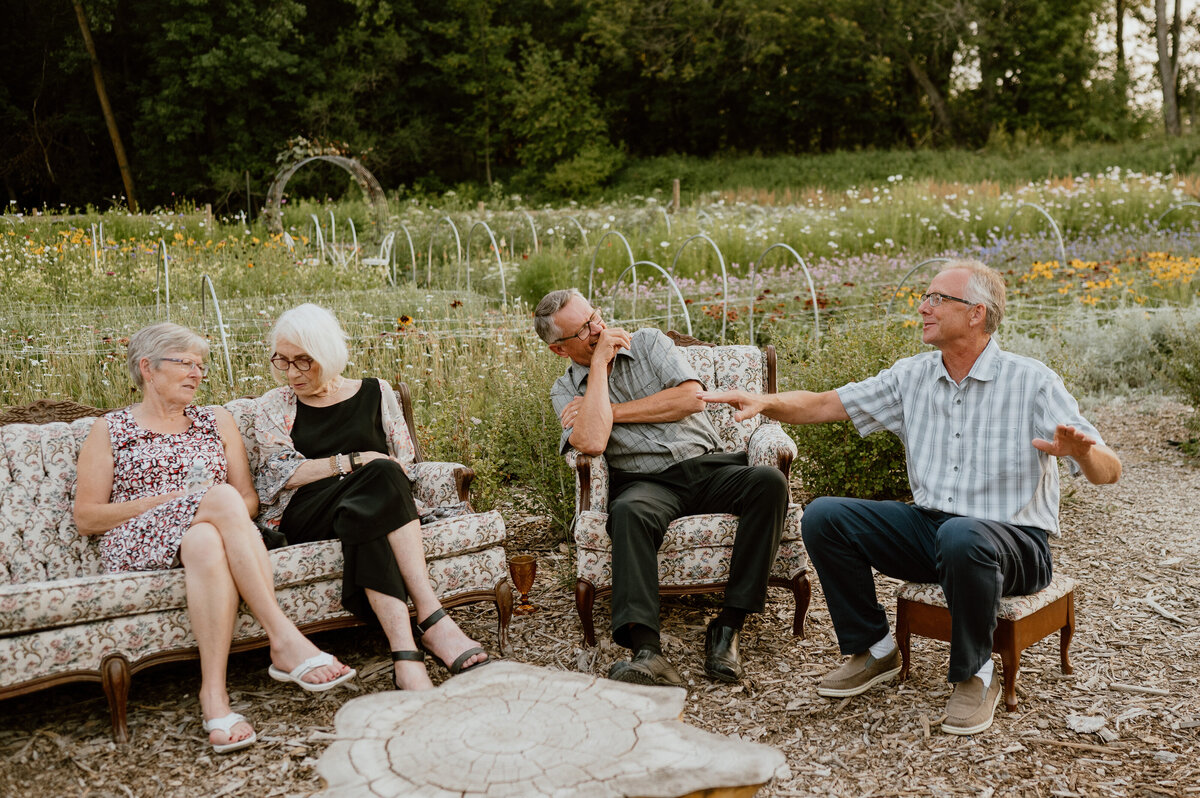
column 1126, row 723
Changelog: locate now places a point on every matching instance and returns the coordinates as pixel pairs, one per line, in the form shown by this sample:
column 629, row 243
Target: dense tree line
column 550, row 95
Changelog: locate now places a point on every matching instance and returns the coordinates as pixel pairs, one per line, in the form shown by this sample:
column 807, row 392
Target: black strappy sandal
column 455, row 667
column 405, row 656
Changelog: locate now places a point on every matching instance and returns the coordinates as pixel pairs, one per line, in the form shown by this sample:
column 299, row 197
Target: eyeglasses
column 302, row 363
column 584, row 332
column 188, row 365
column 935, row 298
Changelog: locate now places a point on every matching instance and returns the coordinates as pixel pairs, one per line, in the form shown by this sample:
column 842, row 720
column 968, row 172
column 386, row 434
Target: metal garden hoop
column 204, row 278
column 812, row 291
column 724, row 275
column 679, row 294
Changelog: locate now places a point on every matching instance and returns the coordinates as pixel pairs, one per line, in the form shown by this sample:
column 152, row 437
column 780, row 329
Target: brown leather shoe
column 971, row 709
column 646, row 667
column 860, row 673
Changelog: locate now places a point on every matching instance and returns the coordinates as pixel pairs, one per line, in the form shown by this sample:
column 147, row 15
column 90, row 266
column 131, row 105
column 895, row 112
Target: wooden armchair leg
column 802, row 592
column 1065, row 635
column 114, row 677
column 903, row 641
column 585, row 599
column 504, row 608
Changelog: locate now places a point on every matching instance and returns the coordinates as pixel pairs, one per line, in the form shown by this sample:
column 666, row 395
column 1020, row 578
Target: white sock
column 883, row 647
column 985, row 673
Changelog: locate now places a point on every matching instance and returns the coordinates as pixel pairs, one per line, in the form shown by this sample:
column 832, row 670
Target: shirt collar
column 985, row 367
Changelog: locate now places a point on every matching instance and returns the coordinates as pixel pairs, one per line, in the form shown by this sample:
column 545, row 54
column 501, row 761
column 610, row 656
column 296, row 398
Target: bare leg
column 393, row 617
column 444, row 638
column 212, row 607
column 222, row 507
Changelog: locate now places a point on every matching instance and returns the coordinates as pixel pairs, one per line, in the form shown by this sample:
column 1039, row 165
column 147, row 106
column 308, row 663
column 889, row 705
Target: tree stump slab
column 510, row 729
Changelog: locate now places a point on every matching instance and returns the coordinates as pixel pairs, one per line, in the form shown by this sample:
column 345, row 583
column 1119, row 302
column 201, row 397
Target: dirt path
column 1134, row 548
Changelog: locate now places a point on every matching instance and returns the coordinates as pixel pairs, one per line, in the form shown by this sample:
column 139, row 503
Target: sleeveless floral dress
column 147, row 463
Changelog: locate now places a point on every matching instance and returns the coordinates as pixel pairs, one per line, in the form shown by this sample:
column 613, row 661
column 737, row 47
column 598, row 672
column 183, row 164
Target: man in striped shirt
column 981, row 429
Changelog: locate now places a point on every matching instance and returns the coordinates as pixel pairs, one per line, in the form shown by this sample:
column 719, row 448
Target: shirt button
column 958, row 401
column 958, row 435
column 956, row 468
column 949, row 498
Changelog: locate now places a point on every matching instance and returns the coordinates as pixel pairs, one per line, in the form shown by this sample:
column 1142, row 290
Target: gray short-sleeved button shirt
column 651, row 364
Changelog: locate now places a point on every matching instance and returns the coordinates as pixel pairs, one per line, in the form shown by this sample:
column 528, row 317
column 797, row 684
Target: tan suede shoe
column 860, row 673
column 971, row 709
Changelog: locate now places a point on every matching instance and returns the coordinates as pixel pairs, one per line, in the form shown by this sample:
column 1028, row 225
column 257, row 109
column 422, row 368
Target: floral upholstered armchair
column 694, row 556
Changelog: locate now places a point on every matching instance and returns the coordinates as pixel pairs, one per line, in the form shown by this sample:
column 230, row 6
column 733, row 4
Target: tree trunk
column 106, row 107
column 1122, row 72
column 1167, row 66
column 941, row 113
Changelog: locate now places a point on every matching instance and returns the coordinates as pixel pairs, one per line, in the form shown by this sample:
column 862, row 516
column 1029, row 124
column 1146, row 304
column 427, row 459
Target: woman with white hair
column 167, row 484
column 336, row 457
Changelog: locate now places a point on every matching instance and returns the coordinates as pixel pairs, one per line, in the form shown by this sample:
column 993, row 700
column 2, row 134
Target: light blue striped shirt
column 969, row 445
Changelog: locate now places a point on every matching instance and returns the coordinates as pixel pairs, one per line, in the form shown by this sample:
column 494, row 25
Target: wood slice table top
column 510, row 729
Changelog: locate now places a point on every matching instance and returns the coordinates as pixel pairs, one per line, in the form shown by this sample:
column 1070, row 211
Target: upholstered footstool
column 1023, row 620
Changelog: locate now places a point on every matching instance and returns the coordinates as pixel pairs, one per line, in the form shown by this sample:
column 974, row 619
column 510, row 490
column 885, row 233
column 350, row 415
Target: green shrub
column 516, row 445
column 586, row 171
column 833, row 460
column 1180, row 347
column 544, row 272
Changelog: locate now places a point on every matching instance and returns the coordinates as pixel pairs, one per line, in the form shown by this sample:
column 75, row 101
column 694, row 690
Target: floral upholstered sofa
column 63, row 619
column 694, row 556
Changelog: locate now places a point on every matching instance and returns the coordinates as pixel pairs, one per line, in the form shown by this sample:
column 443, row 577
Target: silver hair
column 315, row 330
column 154, row 342
column 551, row 304
column 985, row 286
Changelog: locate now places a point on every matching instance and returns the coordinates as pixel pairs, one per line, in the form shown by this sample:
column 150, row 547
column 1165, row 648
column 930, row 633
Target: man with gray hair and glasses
column 981, row 429
column 633, row 398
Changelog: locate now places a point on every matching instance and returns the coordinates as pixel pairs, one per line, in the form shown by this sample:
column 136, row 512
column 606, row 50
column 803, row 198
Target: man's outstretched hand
column 748, row 404
column 1068, row 442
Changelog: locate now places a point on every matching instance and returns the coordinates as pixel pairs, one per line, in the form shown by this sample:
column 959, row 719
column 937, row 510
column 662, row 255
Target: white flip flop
column 226, row 725
column 312, row 663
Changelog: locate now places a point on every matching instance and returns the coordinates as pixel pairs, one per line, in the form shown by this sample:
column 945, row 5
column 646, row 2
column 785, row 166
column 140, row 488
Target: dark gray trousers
column 641, row 506
column 976, row 562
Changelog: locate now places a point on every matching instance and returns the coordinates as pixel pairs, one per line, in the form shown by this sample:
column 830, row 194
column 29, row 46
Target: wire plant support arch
column 724, row 275
column 678, row 294
column 1173, row 208
column 162, row 280
column 1062, row 249
column 499, row 261
column 910, row 273
column 596, row 251
column 206, row 280
column 812, row 292
column 457, row 250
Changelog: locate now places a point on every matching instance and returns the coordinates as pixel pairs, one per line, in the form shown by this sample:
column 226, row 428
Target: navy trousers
column 976, row 562
column 641, row 506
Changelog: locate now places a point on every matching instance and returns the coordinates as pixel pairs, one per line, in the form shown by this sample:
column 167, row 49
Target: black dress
column 359, row 509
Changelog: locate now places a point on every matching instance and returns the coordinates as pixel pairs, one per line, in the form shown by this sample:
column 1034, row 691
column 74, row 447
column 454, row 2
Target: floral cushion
column 63, row 602
column 1012, row 608
column 695, row 550
column 726, row 368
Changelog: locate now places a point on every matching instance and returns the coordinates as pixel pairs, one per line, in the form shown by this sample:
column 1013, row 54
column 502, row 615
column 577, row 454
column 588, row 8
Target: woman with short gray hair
column 335, row 463
column 166, row 483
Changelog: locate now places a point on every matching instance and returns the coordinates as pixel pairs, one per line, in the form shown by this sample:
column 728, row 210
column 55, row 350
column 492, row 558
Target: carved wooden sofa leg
column 115, row 677
column 585, row 599
column 504, row 608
